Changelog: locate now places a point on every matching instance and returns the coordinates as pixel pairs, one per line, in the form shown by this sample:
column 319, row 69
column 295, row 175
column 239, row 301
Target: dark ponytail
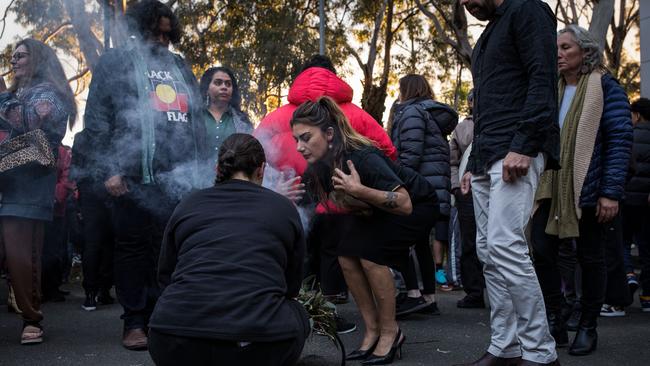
column 239, row 153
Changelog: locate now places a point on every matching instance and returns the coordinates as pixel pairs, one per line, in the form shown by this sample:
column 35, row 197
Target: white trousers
column 517, row 315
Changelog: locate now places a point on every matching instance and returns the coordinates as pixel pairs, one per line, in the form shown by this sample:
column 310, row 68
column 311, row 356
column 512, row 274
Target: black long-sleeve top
column 514, row 66
column 230, row 264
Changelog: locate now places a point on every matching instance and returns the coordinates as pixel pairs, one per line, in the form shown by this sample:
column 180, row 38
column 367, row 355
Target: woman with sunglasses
column 39, row 99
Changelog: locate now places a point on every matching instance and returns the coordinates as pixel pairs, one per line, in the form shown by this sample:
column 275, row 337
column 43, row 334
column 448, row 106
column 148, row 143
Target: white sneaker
column 611, row 311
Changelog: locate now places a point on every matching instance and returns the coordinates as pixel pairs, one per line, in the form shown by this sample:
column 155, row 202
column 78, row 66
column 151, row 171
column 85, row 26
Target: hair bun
column 239, row 153
column 227, row 157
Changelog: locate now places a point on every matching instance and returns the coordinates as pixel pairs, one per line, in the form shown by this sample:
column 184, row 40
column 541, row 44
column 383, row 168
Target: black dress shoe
column 471, row 302
column 361, row 354
column 584, row 342
column 395, row 350
column 558, row 330
column 489, row 359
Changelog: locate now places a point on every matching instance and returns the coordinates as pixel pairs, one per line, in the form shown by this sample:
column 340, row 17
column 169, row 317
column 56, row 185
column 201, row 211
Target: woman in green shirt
column 223, row 114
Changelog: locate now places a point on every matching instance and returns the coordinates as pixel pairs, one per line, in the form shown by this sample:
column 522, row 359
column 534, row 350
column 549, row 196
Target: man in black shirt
column 144, row 136
column 516, row 132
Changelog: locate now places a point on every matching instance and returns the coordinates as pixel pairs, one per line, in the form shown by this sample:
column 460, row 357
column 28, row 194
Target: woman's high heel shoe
column 361, row 354
column 395, row 349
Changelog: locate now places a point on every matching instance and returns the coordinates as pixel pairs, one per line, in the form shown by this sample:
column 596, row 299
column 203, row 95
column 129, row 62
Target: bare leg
column 360, row 290
column 383, row 287
column 438, row 252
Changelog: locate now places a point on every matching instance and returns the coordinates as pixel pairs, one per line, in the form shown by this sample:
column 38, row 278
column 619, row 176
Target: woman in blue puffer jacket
column 580, row 202
column 419, row 127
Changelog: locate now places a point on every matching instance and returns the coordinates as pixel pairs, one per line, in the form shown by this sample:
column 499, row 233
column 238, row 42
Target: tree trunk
column 374, row 96
column 88, row 43
column 600, row 20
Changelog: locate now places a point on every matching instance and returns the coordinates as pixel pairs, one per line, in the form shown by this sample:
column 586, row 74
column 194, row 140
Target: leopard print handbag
column 30, row 147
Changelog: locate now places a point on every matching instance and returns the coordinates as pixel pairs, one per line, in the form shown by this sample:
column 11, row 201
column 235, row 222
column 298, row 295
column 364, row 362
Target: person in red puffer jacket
column 318, row 78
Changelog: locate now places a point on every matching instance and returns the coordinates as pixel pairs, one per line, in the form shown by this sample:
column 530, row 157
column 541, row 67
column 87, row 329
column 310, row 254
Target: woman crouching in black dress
column 231, row 265
column 396, row 208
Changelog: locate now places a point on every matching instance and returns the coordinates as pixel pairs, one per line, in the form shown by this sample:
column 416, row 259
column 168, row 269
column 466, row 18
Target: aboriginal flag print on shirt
column 168, row 95
column 170, row 101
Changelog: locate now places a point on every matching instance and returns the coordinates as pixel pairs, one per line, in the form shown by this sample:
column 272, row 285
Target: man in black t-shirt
column 144, row 139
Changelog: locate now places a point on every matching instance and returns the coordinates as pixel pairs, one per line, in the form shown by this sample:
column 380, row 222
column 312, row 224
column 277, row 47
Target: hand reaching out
column 292, row 188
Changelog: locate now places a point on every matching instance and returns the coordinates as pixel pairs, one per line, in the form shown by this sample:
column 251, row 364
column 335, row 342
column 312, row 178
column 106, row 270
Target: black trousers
column 54, row 257
column 637, row 228
column 171, row 350
column 97, row 254
column 617, row 293
column 471, row 269
column 323, row 240
column 590, row 251
column 567, row 265
column 138, row 237
column 425, row 264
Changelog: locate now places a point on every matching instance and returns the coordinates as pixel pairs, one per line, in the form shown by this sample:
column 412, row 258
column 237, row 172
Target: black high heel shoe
column 361, row 354
column 395, row 349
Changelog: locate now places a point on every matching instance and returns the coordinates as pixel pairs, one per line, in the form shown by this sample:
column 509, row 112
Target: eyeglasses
column 19, row 55
column 219, row 82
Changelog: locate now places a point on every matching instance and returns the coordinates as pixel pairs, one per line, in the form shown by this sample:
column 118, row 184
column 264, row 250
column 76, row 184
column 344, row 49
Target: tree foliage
column 265, row 42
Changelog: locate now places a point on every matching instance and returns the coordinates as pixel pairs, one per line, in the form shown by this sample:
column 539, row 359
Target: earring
column 207, row 100
column 329, row 146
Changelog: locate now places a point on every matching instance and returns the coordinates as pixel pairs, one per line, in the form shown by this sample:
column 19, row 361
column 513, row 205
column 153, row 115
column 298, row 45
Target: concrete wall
column 645, row 47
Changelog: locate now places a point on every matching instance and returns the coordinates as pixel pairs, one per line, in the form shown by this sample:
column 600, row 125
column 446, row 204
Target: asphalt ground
column 76, row 337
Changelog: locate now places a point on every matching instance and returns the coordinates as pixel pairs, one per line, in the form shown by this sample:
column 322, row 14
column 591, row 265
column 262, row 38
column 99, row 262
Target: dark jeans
column 171, row 350
column 637, row 230
column 54, row 257
column 98, row 241
column 138, row 236
column 590, row 251
column 323, row 240
column 471, row 269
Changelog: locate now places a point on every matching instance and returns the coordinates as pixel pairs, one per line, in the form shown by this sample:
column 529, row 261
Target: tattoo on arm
column 391, row 200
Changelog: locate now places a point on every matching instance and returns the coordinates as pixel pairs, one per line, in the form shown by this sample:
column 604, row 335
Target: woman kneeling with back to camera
column 396, row 207
column 231, row 266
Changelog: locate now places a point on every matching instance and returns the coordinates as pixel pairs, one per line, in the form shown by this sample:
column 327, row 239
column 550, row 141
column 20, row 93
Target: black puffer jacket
column 638, row 187
column 419, row 132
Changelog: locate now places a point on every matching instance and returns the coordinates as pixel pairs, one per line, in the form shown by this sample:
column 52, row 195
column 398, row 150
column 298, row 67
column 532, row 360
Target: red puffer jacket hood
column 274, row 131
column 316, row 82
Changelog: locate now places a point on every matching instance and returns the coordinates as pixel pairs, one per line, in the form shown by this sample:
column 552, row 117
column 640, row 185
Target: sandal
column 32, row 333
